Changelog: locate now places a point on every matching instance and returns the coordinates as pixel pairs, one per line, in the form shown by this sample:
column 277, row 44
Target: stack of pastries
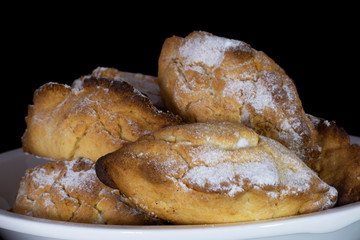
column 219, row 136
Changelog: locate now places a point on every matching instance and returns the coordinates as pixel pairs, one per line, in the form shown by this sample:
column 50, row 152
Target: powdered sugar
column 65, row 177
column 250, row 93
column 231, row 172
column 208, row 49
column 295, row 181
column 77, row 86
column 208, row 155
column 47, row 200
column 260, row 97
column 82, row 179
column 241, row 143
column 42, row 178
column 231, row 177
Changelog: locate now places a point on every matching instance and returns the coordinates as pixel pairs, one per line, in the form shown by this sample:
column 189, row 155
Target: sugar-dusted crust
column 70, row 191
column 93, row 117
column 339, row 161
column 214, row 173
column 208, row 78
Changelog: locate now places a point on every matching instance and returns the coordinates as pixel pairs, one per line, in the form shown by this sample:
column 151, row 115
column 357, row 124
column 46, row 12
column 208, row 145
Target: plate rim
column 270, row 228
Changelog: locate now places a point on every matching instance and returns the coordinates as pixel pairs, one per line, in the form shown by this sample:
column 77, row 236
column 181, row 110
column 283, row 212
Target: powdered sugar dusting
column 250, row 93
column 77, row 86
column 295, row 176
column 231, row 172
column 261, row 96
column 208, row 49
column 230, row 177
column 42, row 178
column 241, row 143
column 208, row 155
column 78, row 179
column 65, row 177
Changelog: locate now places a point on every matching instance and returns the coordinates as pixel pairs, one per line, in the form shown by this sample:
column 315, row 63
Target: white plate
column 337, row 223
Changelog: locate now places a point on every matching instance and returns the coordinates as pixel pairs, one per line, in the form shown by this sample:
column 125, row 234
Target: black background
column 317, row 47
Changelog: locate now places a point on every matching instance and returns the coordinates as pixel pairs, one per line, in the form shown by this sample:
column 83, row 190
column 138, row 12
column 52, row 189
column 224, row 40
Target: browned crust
column 339, row 161
column 146, row 84
column 90, row 119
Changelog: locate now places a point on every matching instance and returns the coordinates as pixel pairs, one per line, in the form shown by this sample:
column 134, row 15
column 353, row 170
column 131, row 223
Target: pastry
column 146, row 84
column 70, row 191
column 339, row 161
column 93, row 117
column 204, row 78
column 216, row 172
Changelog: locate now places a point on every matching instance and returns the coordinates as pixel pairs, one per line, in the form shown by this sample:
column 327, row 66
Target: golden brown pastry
column 214, row 173
column 70, row 191
column 208, row 78
column 144, row 83
column 93, row 117
column 339, row 161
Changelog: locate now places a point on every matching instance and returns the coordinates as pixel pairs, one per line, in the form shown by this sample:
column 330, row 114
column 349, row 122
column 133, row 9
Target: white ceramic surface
column 337, row 223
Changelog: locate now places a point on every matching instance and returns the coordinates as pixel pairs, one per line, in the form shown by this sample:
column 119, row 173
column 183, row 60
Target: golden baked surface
column 339, row 161
column 70, row 191
column 93, row 117
column 144, row 83
column 208, row 78
column 214, row 173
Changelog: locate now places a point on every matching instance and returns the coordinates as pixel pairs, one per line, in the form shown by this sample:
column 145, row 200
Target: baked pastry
column 208, row 78
column 339, row 161
column 70, row 191
column 93, row 117
column 214, row 173
column 146, row 84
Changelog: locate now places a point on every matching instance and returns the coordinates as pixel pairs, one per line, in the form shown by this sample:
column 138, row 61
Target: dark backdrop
column 319, row 52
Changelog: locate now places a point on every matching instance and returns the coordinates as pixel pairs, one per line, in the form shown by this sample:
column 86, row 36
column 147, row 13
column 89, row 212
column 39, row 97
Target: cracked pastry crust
column 339, row 161
column 70, row 191
column 93, row 117
column 214, row 173
column 208, row 78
